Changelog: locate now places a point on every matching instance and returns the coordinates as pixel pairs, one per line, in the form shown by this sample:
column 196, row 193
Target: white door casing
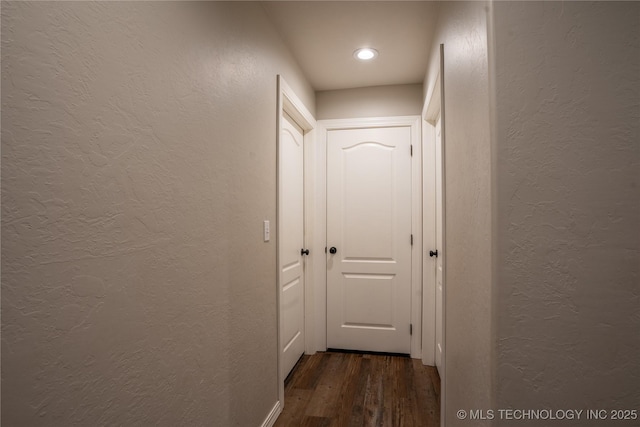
column 369, row 222
column 291, row 242
column 319, row 222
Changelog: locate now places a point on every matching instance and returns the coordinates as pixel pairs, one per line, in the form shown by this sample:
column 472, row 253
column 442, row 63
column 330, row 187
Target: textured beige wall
column 377, row 101
column 462, row 27
column 568, row 197
column 138, row 163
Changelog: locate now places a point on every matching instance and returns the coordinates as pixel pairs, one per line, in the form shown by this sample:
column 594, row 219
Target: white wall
column 567, row 85
column 138, row 163
column 376, row 101
column 551, row 201
column 462, row 27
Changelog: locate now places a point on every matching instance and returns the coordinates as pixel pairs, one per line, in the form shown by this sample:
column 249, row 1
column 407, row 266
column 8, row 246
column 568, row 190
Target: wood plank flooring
column 335, row 389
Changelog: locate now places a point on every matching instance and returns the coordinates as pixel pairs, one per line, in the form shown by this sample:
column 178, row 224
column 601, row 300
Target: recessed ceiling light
column 365, row 54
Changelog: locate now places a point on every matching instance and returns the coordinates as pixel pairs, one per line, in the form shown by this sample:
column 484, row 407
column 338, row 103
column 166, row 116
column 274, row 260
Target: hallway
column 349, row 389
column 140, row 283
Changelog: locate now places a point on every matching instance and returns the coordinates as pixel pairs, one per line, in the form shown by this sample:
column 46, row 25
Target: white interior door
column 439, row 312
column 291, row 182
column 369, row 225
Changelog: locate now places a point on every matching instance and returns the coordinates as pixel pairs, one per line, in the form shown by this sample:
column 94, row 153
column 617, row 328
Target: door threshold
column 374, row 353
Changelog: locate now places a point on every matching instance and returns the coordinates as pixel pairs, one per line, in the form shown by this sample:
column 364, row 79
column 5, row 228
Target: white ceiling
column 324, row 34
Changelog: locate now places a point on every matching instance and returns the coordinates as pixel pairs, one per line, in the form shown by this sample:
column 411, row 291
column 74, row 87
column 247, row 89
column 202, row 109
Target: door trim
column 288, row 102
column 320, row 275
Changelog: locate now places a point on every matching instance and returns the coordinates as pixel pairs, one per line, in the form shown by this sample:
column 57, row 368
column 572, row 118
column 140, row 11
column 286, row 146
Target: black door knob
column 433, row 254
column 333, row 250
column 304, row 251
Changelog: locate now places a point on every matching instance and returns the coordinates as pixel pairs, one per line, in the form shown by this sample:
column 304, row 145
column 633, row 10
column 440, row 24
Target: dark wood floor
column 346, row 389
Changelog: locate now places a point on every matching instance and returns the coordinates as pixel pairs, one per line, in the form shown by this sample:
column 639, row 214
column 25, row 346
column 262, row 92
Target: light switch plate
column 267, row 232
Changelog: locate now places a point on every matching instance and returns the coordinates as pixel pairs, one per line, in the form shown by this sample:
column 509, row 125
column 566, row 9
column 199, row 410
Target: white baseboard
column 273, row 415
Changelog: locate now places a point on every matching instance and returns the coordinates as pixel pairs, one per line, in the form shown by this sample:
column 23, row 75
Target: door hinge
column 411, row 150
column 412, row 240
column 410, row 328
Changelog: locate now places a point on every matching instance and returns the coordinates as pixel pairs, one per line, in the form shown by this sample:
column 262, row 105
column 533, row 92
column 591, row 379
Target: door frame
column 320, row 224
column 432, row 109
column 288, row 102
